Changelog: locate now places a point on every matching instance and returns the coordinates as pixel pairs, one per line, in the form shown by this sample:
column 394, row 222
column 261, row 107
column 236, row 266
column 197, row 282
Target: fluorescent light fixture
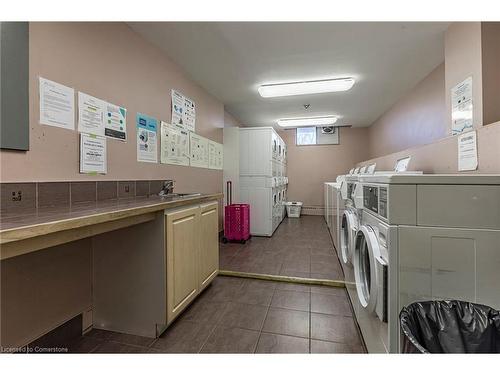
column 307, row 121
column 306, row 87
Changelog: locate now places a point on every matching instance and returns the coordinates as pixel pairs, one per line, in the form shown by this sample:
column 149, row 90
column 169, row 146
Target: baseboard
column 313, row 211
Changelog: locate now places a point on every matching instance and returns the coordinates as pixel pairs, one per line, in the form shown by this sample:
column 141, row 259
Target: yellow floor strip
column 286, row 279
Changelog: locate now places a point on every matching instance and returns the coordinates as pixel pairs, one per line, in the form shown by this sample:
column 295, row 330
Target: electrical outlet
column 17, row 196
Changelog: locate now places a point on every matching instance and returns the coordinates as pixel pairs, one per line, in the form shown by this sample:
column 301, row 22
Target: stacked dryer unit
column 263, row 181
column 423, row 237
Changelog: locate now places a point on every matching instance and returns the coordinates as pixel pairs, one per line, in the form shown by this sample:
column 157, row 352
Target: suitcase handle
column 229, row 193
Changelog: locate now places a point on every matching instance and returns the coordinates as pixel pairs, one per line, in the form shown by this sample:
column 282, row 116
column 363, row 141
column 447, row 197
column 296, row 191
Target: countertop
column 51, row 220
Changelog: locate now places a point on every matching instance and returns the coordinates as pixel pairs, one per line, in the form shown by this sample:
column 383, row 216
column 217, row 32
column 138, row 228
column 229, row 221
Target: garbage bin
column 450, row 327
column 293, row 209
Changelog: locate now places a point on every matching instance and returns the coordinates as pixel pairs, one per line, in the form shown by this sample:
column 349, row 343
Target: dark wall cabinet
column 14, row 91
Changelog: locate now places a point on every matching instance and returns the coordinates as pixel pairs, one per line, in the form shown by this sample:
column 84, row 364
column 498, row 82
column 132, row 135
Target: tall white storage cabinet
column 263, row 183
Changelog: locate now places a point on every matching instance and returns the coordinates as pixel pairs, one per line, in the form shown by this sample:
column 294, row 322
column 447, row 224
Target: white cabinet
column 262, row 177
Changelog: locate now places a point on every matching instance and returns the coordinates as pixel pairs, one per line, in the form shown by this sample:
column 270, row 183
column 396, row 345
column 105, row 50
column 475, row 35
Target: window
column 306, row 136
column 312, row 135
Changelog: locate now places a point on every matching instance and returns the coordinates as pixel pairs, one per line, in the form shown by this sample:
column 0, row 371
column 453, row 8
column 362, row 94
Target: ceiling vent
column 328, row 129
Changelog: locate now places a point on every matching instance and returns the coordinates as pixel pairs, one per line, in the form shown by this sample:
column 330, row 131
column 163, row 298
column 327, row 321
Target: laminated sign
column 92, row 154
column 461, row 107
column 183, row 111
column 146, row 138
column 174, row 145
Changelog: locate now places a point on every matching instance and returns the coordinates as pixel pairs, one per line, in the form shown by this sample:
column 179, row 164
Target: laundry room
column 210, row 184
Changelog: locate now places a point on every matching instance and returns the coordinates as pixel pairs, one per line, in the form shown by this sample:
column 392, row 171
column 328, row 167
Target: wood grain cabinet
column 209, row 243
column 192, row 254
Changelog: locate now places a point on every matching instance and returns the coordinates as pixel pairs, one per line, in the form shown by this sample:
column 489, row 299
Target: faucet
column 168, row 188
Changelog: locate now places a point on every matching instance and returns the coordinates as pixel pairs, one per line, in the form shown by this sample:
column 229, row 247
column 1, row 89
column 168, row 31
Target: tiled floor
column 299, row 247
column 247, row 316
column 236, row 315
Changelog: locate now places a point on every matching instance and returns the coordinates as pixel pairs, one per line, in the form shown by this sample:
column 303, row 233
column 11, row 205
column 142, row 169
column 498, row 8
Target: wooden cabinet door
column 209, row 243
column 182, row 242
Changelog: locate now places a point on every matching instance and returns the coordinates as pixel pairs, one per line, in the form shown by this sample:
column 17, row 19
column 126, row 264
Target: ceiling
column 230, row 60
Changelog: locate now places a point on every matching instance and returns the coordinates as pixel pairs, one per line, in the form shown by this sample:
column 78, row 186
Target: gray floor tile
column 183, row 337
column 330, row 304
column 271, row 343
column 318, row 346
column 244, row 316
column 293, row 286
column 231, row 340
column 334, row 328
column 131, row 339
column 287, row 322
column 287, row 299
column 84, row 345
column 254, row 296
column 205, row 312
column 116, row 347
column 329, row 290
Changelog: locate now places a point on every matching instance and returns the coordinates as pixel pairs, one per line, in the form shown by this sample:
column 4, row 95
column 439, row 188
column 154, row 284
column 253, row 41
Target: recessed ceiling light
column 307, row 121
column 306, row 87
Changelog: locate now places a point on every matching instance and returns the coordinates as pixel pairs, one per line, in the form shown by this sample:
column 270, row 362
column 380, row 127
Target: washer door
column 366, row 253
column 346, row 236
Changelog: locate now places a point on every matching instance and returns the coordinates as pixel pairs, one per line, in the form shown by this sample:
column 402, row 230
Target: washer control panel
column 370, row 198
column 375, row 199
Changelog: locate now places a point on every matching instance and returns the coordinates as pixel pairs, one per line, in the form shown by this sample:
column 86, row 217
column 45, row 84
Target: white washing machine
column 424, row 237
column 370, row 262
column 350, row 222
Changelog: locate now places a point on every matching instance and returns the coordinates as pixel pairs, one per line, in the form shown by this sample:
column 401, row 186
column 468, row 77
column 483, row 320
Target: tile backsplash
column 26, row 197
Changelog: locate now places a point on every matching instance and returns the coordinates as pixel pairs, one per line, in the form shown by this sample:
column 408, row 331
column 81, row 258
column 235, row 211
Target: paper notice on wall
column 57, row 104
column 467, row 151
column 198, row 148
column 90, row 114
column 189, row 114
column 461, row 107
column 115, row 122
column 177, row 108
column 215, row 155
column 183, row 111
column 146, row 139
column 174, row 147
column 92, row 154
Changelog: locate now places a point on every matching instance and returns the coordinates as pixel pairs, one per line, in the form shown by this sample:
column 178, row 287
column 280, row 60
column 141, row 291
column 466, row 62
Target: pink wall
column 471, row 49
column 309, row 167
column 111, row 62
column 462, row 56
column 442, row 155
column 490, row 39
column 416, row 119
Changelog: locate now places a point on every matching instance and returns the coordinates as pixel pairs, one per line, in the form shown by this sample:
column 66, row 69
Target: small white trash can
column 293, row 209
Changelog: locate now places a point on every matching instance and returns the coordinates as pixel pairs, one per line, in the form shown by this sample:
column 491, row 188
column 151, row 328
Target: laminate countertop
column 47, row 221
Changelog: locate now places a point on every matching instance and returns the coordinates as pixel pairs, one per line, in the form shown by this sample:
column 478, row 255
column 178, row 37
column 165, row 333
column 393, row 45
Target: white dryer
column 439, row 236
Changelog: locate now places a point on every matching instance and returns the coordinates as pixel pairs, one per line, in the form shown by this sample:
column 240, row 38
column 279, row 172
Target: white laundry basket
column 293, row 209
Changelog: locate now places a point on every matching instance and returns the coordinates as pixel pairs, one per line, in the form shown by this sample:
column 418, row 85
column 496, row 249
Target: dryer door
column 366, row 272
column 347, row 230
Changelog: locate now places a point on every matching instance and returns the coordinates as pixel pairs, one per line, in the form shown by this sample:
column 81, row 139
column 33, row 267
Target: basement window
column 305, row 136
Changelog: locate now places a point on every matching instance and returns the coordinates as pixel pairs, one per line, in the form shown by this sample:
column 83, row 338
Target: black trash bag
column 450, row 327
